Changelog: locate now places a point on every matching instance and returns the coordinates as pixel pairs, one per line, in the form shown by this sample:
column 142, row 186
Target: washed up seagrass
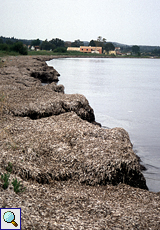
column 76, row 174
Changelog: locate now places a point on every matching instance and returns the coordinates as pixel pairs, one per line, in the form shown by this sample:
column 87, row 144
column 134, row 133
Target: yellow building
column 73, row 49
column 112, row 52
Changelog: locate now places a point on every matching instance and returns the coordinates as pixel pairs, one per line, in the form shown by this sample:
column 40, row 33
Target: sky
column 131, row 22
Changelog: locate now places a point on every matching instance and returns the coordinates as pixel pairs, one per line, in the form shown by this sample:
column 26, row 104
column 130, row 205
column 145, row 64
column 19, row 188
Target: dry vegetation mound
column 67, row 164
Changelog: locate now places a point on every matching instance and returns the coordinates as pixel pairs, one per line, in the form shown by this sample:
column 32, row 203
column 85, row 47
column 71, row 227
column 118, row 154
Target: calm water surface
column 123, row 93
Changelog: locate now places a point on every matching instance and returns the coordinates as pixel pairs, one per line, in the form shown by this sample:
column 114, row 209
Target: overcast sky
column 132, row 22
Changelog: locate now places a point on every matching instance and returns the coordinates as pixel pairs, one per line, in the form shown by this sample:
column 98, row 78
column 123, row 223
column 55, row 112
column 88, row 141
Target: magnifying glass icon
column 9, row 217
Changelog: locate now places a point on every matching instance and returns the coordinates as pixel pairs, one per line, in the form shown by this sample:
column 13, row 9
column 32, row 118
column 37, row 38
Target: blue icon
column 9, row 217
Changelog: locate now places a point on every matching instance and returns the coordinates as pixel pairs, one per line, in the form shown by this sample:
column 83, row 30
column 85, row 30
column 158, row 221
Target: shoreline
column 96, row 56
column 59, row 154
column 55, row 56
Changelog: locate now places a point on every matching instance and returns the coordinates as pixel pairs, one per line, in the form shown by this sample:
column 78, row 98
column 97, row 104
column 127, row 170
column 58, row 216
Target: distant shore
column 72, row 55
column 85, row 55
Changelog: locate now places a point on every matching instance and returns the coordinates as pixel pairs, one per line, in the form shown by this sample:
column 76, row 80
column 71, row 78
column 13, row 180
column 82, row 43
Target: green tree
column 104, row 40
column 101, row 42
column 56, row 42
column 9, row 42
column 109, row 46
column 135, row 49
column 92, row 43
column 77, row 43
column 60, row 50
column 20, row 48
column 46, row 45
column 4, row 47
column 36, row 42
column 99, row 39
column 67, row 44
column 156, row 52
column 1, row 41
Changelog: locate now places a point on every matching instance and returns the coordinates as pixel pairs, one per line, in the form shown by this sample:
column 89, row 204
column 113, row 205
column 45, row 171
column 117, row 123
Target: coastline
column 80, row 158
column 94, row 56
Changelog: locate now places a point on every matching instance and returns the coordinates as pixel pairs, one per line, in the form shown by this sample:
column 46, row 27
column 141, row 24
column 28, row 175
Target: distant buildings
column 118, row 51
column 86, row 49
column 90, row 49
column 73, row 49
column 98, row 50
column 112, row 52
column 34, row 48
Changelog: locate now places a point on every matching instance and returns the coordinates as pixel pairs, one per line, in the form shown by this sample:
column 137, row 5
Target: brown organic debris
column 77, row 175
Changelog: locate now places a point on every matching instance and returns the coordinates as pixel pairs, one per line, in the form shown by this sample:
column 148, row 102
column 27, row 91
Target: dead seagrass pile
column 77, row 175
column 65, row 147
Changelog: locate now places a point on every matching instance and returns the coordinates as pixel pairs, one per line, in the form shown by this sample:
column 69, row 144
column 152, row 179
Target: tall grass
column 67, row 53
column 8, row 53
column 40, row 52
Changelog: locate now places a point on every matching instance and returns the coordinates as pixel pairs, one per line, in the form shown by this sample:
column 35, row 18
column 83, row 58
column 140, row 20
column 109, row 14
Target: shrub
column 18, row 187
column 4, row 47
column 9, row 167
column 16, row 47
column 20, row 48
column 5, row 179
column 60, row 50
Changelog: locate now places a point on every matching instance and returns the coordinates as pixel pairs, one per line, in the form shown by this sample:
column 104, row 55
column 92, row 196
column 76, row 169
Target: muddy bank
column 67, row 163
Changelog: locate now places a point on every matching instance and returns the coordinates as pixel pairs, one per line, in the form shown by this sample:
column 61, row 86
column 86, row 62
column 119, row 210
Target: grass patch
column 17, row 186
column 77, row 53
column 67, row 53
column 5, row 179
column 40, row 52
column 9, row 167
column 8, row 53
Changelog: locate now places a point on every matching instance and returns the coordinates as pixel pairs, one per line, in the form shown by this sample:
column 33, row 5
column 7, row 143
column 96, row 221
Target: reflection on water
column 123, row 93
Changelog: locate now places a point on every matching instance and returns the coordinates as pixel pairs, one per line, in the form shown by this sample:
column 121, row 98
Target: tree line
column 55, row 44
column 16, row 47
column 60, row 46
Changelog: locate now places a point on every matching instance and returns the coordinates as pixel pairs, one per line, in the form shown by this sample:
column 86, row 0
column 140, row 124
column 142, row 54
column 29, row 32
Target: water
column 123, row 93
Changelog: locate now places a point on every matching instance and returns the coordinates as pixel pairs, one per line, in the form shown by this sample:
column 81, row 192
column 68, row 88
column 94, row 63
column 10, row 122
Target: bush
column 20, row 48
column 17, row 47
column 5, row 179
column 18, row 187
column 9, row 167
column 60, row 50
column 4, row 47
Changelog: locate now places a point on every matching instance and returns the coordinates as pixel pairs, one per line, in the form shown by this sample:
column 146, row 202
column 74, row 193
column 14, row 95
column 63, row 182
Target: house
column 86, row 49
column 118, row 51
column 32, row 47
column 73, row 49
column 36, row 48
column 90, row 49
column 112, row 52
